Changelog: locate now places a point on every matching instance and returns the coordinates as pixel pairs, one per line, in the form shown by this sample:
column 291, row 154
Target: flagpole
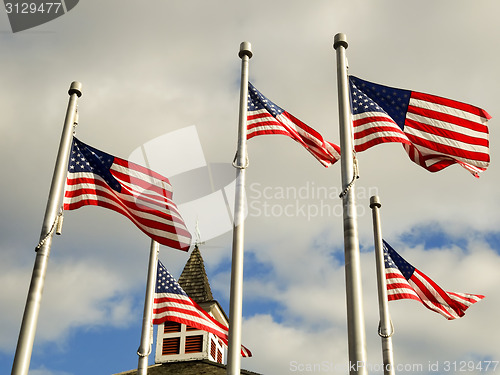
column 27, row 332
column 385, row 328
column 145, row 346
column 354, row 299
column 241, row 161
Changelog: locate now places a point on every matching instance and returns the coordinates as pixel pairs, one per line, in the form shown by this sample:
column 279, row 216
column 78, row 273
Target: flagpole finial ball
column 375, row 202
column 75, row 88
column 340, row 40
column 245, row 50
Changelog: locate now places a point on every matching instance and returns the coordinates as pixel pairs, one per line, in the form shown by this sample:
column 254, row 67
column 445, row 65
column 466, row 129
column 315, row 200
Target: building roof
column 194, row 278
column 200, row 367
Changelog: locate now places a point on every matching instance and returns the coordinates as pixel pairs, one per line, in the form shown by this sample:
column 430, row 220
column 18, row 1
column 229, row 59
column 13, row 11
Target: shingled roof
column 194, row 278
column 203, row 366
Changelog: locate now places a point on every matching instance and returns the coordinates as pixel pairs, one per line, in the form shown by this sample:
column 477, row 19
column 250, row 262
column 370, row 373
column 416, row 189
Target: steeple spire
column 194, row 278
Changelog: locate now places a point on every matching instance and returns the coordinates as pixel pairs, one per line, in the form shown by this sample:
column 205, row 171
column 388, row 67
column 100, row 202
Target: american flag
column 145, row 197
column 405, row 281
column 435, row 132
column 265, row 117
column 171, row 303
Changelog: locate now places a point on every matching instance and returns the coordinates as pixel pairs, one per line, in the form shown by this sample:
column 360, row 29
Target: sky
column 162, row 78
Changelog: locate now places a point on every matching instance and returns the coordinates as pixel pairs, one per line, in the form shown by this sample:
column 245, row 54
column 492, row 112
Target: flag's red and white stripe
column 373, row 128
column 445, row 131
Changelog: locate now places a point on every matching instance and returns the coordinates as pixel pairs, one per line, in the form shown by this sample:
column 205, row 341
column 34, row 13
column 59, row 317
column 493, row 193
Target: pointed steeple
column 194, row 278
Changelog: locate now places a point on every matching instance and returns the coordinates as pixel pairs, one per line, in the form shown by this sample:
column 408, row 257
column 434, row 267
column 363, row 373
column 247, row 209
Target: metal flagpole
column 145, row 346
column 385, row 330
column 354, row 299
column 240, row 162
column 26, row 338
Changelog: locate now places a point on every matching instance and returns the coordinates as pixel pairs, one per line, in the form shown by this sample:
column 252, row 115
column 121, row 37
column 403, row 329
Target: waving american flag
column 265, row 117
column 435, row 132
column 405, row 281
column 145, row 197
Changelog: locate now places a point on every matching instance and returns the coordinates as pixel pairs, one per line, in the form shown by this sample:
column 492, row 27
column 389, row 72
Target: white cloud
column 75, row 295
column 280, row 348
column 44, row 371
